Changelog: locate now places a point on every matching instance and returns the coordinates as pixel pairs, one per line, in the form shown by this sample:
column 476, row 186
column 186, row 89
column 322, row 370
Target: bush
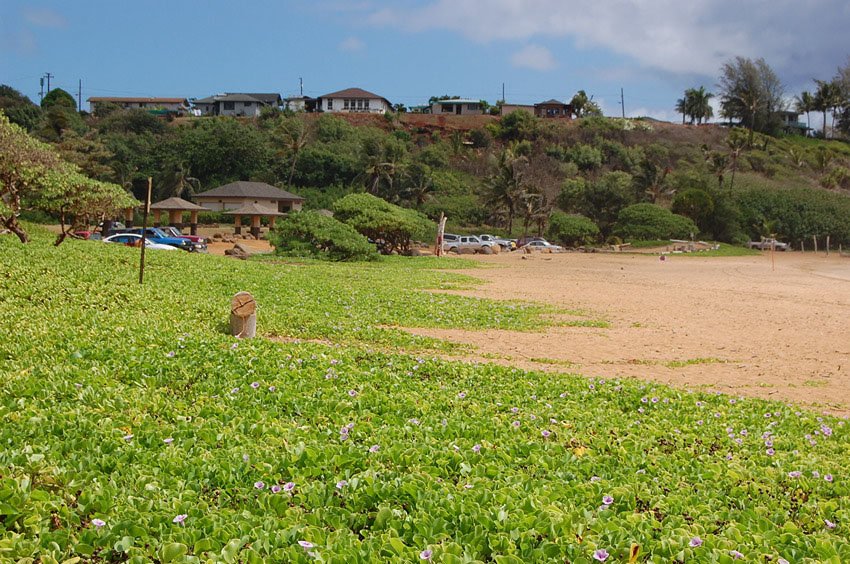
column 391, row 227
column 312, row 234
column 648, row 221
column 586, row 157
column 571, row 230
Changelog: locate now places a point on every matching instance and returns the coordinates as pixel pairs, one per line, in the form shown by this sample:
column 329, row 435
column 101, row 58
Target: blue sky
column 409, row 50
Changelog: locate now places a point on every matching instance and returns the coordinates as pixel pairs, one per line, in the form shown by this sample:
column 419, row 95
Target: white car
column 135, row 240
column 543, row 246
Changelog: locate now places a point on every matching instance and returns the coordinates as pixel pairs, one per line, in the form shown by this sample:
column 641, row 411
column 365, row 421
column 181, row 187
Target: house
column 299, row 104
column 553, row 109
column 458, row 107
column 238, row 194
column 173, row 105
column 353, row 100
column 236, row 104
column 511, row 108
column 790, row 122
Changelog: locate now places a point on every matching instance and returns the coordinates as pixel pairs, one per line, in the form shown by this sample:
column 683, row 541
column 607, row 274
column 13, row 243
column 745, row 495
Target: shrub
column 390, row 226
column 312, row 234
column 586, row 157
column 648, row 221
column 480, row 138
column 571, row 230
column 518, row 126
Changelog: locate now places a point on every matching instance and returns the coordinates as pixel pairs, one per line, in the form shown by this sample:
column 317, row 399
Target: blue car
column 158, row 236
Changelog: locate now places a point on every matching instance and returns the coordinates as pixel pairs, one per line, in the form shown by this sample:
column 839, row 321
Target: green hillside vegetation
column 135, row 429
column 505, row 175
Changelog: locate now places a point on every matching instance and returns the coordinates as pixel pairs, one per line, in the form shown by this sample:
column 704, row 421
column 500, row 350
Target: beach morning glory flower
column 607, row 500
column 545, row 433
column 461, row 395
column 179, row 518
column 829, row 524
column 171, row 354
column 255, row 385
column 275, row 489
column 272, row 388
column 601, row 555
column 128, row 436
column 352, row 393
column 695, row 542
column 735, row 554
column 425, row 555
column 516, row 424
column 341, row 484
column 288, row 486
column 98, row 523
column 234, row 391
column 168, row 441
column 795, row 474
column 782, row 561
column 770, row 452
column 374, row 448
column 306, row 544
column 259, row 485
column 476, row 449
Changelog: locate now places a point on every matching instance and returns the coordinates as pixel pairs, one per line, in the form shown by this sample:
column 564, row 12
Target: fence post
column 243, row 316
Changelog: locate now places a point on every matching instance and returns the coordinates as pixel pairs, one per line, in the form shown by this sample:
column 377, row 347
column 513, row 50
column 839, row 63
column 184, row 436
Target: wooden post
column 156, row 218
column 144, row 229
column 815, row 242
column 827, row 245
column 255, row 226
column 243, row 316
column 441, row 228
column 193, row 223
column 175, row 218
column 238, row 229
column 802, row 246
column 128, row 217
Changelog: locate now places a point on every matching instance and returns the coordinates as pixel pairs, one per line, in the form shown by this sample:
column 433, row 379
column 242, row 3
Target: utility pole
column 80, row 96
column 41, row 92
column 623, row 103
column 503, row 92
column 301, row 86
column 49, row 76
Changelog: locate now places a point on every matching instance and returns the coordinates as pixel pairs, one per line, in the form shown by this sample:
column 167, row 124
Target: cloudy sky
column 409, row 50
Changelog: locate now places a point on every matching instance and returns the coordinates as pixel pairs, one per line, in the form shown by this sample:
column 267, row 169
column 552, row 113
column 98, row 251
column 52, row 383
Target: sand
column 732, row 324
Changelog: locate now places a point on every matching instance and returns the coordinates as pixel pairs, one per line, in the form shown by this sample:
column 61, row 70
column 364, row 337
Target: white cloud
column 44, row 17
column 534, row 57
column 352, row 45
column 667, row 35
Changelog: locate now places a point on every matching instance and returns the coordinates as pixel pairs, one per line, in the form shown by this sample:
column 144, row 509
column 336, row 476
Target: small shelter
column 234, row 195
column 256, row 212
column 176, row 207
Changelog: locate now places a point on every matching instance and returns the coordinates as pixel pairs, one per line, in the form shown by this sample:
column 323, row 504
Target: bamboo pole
column 144, row 229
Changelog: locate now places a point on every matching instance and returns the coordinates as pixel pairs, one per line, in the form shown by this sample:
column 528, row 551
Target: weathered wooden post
column 243, row 316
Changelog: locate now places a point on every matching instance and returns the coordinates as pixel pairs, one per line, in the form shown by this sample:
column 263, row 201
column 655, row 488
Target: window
column 330, row 104
column 246, row 104
column 366, row 104
column 229, row 105
column 472, row 107
column 359, row 104
column 447, row 108
column 345, row 104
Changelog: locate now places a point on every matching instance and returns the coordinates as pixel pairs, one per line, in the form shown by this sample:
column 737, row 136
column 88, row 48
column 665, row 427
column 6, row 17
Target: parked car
column 156, row 235
column 135, row 240
column 766, row 244
column 506, row 244
column 523, row 241
column 172, row 231
column 468, row 243
column 93, row 235
column 543, row 245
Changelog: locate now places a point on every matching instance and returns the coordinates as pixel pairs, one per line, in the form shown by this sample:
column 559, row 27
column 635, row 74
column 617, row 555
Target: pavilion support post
column 156, row 214
column 193, row 223
column 128, row 217
column 255, row 226
column 238, row 222
column 271, row 222
column 175, row 218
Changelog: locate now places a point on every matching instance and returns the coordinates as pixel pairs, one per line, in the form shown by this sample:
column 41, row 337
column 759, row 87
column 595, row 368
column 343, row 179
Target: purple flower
column 128, row 436
column 735, row 554
column 533, row 417
column 770, row 452
column 352, row 393
column 643, row 399
column 468, row 486
column 234, row 346
column 795, row 474
column 476, row 449
column 306, row 544
column 601, row 555
column 168, row 441
column 461, row 395
column 768, row 443
column 255, row 385
column 700, row 404
column 275, row 489
column 413, row 421
column 595, row 479
column 514, row 410
column 782, row 561
column 553, row 421
column 563, row 395
column 815, row 474
column 289, row 486
column 828, row 478
column 654, row 400
column 591, row 387
column 829, row 524
column 425, row 555
column 259, row 485
column 98, row 523
column 179, row 519
column 700, row 422
column 607, row 500
column 234, row 391
column 171, row 354
column 341, row 484
column 272, row 388
column 695, row 542
column 516, row 424
column 545, row 433
column 374, row 448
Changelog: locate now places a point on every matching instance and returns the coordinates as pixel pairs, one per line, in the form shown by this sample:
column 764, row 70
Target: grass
column 135, row 429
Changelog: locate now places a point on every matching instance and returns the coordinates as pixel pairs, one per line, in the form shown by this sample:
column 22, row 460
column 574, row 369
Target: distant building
column 238, row 194
column 510, row 108
column 458, row 107
column 791, row 122
column 236, row 104
column 353, row 100
column 548, row 109
column 174, row 105
column 299, row 104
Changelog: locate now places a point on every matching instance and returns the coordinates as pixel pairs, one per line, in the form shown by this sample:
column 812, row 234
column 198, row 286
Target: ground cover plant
column 133, row 428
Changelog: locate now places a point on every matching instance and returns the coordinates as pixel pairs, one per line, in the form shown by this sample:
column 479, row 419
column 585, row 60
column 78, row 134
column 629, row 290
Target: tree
column 18, row 108
column 58, row 97
column 571, row 230
column 695, row 105
column 804, row 104
column 750, row 92
column 400, row 108
column 505, row 185
column 584, row 106
column 391, row 227
column 650, row 222
column 311, row 234
column 828, row 97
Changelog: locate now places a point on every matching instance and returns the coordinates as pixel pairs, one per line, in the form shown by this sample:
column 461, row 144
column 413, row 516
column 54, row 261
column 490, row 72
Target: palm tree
column 700, row 106
column 804, row 104
column 504, row 187
column 736, row 144
column 827, row 98
column 682, row 106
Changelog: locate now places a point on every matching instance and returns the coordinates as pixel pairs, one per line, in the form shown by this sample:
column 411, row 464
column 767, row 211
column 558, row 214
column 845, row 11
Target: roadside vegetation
column 136, row 429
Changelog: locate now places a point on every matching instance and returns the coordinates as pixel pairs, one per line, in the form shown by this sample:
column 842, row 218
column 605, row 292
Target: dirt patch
column 727, row 324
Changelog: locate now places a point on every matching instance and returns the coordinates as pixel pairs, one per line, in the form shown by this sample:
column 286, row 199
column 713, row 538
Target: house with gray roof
column 236, row 104
column 236, row 195
column 353, row 100
column 458, row 107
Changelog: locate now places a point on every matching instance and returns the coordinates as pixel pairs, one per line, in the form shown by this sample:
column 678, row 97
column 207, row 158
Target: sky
column 410, row 50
